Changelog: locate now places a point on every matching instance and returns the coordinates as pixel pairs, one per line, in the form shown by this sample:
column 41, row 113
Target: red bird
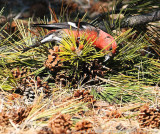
column 101, row 39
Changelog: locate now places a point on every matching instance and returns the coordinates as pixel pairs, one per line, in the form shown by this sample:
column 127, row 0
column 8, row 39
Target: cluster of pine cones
column 63, row 76
column 62, row 124
column 28, row 85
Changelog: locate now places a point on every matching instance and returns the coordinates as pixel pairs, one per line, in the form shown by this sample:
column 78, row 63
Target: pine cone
column 149, row 117
column 113, row 113
column 84, row 126
column 53, row 61
column 4, row 119
column 86, row 97
column 61, row 124
column 16, row 115
column 97, row 68
column 63, row 78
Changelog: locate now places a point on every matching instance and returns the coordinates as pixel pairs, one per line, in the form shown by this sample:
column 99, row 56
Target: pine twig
column 141, row 19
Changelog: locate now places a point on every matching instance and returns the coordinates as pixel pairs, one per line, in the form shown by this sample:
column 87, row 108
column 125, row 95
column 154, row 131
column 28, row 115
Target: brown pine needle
column 53, row 14
column 61, row 8
column 32, row 32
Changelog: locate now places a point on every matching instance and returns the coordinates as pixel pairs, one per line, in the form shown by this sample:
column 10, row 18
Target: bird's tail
column 51, row 37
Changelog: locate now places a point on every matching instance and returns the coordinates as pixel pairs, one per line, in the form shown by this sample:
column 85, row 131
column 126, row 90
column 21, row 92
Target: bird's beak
column 107, row 57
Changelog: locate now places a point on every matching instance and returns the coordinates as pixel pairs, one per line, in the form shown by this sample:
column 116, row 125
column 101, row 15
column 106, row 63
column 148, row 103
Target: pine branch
column 130, row 21
column 141, row 19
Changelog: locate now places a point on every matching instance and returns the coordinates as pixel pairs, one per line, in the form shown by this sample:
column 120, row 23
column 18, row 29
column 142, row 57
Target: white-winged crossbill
column 101, row 39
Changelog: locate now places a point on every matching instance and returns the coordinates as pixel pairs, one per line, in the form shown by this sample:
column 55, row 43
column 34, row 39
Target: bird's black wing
column 64, row 25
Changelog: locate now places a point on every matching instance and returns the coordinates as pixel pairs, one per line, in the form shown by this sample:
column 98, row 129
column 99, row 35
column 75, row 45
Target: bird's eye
column 107, row 37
